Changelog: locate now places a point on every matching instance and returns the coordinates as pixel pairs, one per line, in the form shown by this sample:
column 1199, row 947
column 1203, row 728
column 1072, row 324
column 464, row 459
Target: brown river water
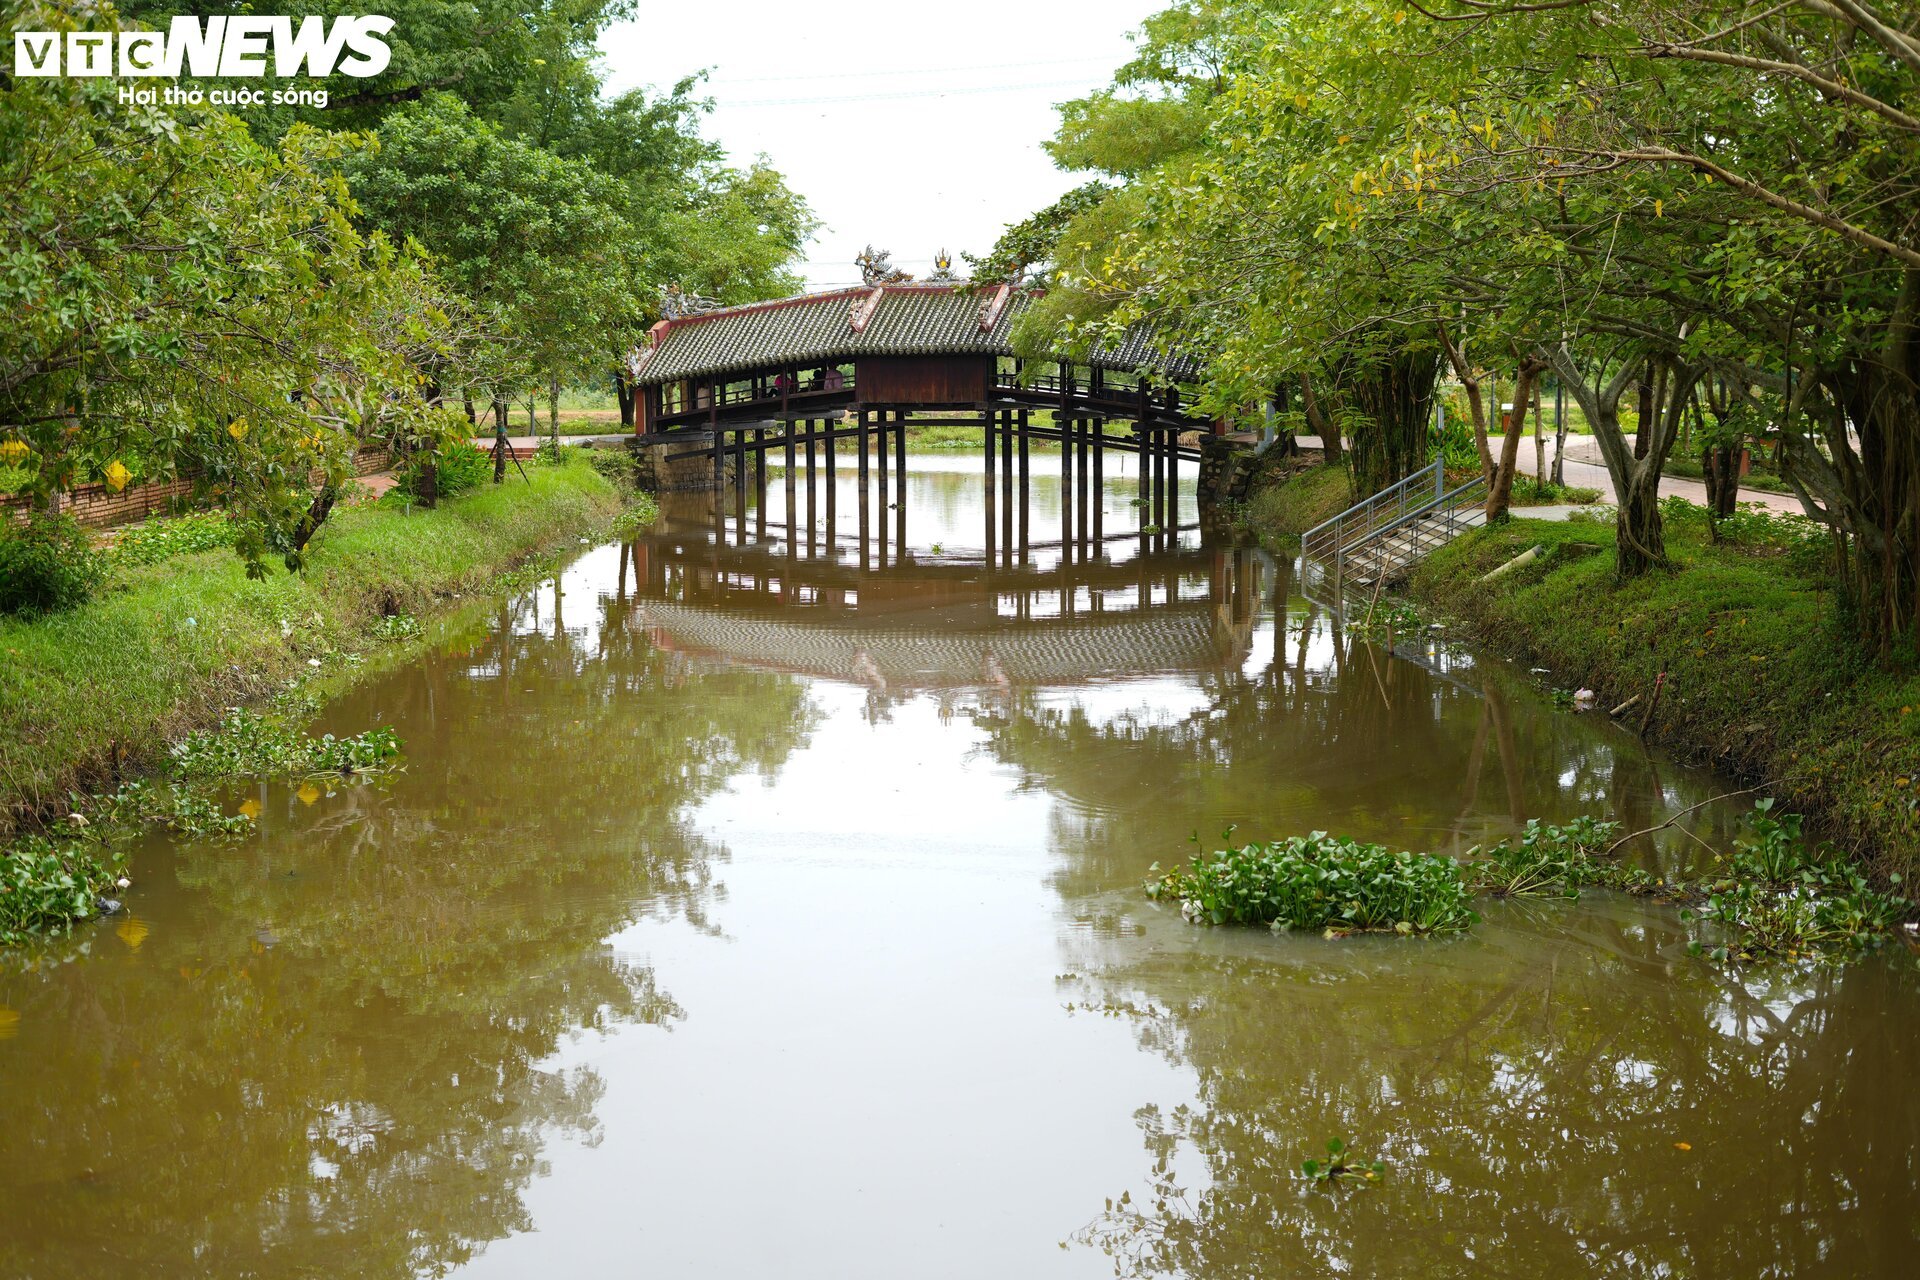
column 742, row 911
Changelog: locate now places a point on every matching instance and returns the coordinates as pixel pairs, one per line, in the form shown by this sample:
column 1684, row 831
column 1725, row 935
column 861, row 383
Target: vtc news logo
column 210, row 48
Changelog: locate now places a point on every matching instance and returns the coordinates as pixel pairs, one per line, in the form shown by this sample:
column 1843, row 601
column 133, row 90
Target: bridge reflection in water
column 1049, row 583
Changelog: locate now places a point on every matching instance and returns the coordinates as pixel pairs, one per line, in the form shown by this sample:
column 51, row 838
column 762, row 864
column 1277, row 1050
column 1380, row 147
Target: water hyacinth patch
column 1319, row 881
column 248, row 744
column 1786, row 900
column 1556, row 861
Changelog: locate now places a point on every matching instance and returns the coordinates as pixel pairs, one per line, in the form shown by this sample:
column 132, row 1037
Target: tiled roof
column 911, row 319
column 1053, row 651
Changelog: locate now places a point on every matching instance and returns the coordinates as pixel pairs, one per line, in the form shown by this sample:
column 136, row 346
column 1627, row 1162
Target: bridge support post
column 813, row 507
column 1065, row 424
column 990, row 514
column 740, row 484
column 1081, row 431
column 1026, row 488
column 1006, row 486
column 900, row 483
column 833, row 493
column 866, row 495
column 880, row 443
column 1099, row 482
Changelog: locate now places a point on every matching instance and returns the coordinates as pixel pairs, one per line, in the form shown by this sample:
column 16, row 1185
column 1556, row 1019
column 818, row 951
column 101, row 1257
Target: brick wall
column 97, row 506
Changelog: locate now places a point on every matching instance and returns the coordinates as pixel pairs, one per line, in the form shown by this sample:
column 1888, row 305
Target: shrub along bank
column 1737, row 653
column 96, row 692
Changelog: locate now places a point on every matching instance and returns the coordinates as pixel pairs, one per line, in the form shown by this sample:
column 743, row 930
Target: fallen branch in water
column 1745, row 791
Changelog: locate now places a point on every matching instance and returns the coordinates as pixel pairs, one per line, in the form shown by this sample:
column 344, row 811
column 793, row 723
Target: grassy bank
column 93, row 694
column 1305, row 499
column 1743, row 643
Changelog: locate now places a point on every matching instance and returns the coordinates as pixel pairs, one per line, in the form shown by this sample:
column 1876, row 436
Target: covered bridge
column 880, row 357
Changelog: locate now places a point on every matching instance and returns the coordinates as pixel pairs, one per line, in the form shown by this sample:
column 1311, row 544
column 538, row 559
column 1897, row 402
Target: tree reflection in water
column 322, row 1052
column 1527, row 1084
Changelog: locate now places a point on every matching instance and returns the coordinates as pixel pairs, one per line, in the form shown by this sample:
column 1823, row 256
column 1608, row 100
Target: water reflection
column 325, row 1051
column 1564, row 1094
column 927, row 1024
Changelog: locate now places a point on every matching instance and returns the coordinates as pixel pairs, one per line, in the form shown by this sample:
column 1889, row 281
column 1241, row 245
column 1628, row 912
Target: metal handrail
column 1392, row 503
column 1435, row 526
column 1371, row 526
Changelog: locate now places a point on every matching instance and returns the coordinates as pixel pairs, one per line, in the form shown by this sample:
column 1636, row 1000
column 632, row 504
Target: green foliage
column 1783, row 899
column 458, row 467
column 1385, row 620
column 50, row 879
column 397, row 626
column 1320, row 881
column 185, row 299
column 180, row 535
column 1454, row 443
column 1531, row 491
column 90, row 693
column 250, row 745
column 1556, row 861
column 46, row 564
column 1341, row 1167
column 644, row 511
column 46, row 883
column 1761, row 676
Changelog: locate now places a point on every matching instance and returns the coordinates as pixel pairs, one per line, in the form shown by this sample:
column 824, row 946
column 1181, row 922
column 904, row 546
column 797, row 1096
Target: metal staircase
column 1377, row 540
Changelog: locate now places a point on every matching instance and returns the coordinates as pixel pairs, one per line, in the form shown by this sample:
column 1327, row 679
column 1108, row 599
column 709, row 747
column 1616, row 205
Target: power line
column 906, row 71
column 723, row 104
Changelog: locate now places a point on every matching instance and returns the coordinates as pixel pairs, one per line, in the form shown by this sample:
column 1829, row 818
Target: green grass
column 958, row 438
column 1761, row 676
column 89, row 695
column 1758, row 479
column 1295, row 506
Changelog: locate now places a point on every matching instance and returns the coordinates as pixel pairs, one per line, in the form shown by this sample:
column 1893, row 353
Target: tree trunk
column 1640, row 541
column 1643, row 425
column 466, row 400
column 426, row 485
column 623, row 392
column 1476, row 404
column 317, row 512
column 1500, row 490
column 500, row 410
column 1395, row 396
column 1323, row 424
column 1640, row 537
column 1559, row 434
column 1539, row 441
column 1720, row 466
column 553, row 413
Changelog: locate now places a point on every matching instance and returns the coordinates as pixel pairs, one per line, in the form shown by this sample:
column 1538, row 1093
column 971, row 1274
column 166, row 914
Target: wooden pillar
column 991, row 513
column 833, row 495
column 1080, row 490
column 1007, row 495
column 740, row 484
column 1026, row 487
column 866, row 493
column 813, row 540
column 1169, row 450
column 760, row 483
column 1065, row 424
column 792, row 487
column 1099, row 477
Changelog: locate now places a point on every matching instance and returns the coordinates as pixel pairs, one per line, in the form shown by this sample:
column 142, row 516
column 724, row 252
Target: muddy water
column 743, row 912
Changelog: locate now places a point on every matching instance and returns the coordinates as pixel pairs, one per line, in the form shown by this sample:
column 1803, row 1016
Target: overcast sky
column 910, row 126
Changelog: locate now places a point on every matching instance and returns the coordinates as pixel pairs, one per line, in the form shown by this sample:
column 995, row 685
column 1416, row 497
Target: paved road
column 1587, row 471
column 1584, row 468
